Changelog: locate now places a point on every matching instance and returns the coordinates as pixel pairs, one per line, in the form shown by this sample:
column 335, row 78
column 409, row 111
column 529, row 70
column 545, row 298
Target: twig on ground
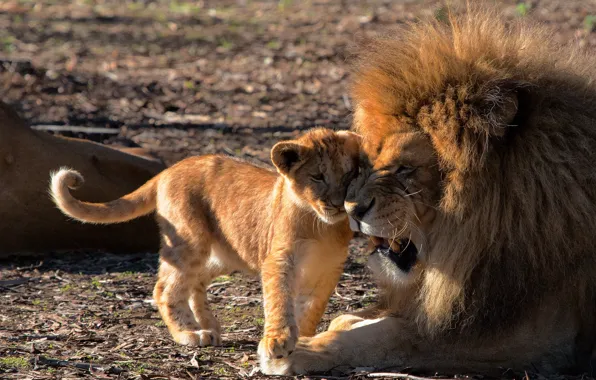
column 249, row 299
column 122, row 346
column 216, row 284
column 401, row 376
column 56, row 275
column 342, row 297
column 241, row 371
column 29, row 267
column 242, row 331
column 86, row 366
column 229, row 151
column 17, row 281
column 36, row 336
column 73, row 128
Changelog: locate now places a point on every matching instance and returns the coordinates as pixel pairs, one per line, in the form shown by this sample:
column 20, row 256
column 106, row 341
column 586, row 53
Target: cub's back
column 233, row 196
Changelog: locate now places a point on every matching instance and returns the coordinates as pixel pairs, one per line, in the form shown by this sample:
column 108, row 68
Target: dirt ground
column 182, row 78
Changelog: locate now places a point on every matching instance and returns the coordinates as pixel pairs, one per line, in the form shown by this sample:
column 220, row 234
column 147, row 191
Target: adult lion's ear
column 464, row 126
column 287, row 155
column 497, row 107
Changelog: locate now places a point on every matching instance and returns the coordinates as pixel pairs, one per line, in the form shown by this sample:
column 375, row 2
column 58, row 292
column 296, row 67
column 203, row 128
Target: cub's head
column 318, row 167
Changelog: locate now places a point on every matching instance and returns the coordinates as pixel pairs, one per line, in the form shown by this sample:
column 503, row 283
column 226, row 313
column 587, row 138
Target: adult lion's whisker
column 414, row 193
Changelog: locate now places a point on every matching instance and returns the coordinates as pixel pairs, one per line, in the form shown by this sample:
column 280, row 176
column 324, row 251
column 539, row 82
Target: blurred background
column 182, row 78
column 228, row 76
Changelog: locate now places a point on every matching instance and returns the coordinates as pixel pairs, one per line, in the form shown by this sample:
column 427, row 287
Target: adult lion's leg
column 347, row 321
column 395, row 342
column 383, row 342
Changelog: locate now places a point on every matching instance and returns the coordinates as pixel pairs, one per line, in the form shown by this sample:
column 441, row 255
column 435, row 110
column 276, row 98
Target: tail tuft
column 68, row 177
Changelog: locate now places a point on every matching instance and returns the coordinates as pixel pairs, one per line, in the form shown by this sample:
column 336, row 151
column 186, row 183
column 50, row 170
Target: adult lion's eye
column 318, row 178
column 405, row 170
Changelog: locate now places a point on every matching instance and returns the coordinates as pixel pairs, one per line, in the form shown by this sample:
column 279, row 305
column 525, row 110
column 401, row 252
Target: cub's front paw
column 302, row 361
column 198, row 338
column 279, row 343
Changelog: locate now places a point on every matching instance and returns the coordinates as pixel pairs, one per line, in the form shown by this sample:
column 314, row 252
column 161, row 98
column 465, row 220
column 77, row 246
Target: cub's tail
column 138, row 203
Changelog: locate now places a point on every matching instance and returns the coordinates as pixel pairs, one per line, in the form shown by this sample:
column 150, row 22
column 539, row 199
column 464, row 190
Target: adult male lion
column 481, row 148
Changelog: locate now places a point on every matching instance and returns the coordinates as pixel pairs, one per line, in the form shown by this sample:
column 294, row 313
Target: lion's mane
column 512, row 117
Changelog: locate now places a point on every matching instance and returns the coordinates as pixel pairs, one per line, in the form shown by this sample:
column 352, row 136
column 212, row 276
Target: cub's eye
column 405, row 170
column 317, row 178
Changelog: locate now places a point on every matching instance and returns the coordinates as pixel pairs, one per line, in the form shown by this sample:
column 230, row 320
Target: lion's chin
column 401, row 252
column 394, row 266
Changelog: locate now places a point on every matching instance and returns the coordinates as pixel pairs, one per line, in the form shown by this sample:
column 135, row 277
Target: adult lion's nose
column 358, row 210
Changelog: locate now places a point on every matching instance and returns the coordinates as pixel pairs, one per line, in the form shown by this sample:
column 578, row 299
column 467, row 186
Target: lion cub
column 219, row 214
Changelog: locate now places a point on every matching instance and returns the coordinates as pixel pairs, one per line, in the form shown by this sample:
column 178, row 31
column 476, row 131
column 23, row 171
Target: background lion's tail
column 139, row 202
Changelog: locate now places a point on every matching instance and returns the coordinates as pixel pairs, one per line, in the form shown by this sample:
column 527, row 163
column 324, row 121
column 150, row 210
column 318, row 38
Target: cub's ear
column 350, row 136
column 287, row 155
column 352, row 141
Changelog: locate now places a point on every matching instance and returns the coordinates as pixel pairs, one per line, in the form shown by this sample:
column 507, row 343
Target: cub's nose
column 338, row 204
column 359, row 210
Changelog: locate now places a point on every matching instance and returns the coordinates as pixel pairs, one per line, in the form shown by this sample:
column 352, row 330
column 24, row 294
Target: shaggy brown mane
column 511, row 117
column 479, row 148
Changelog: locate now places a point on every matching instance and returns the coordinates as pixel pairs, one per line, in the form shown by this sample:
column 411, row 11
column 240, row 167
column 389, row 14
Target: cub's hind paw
column 198, row 338
column 278, row 345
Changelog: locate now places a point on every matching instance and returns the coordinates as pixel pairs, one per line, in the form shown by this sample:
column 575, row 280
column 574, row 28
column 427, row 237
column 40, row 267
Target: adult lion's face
column 394, row 197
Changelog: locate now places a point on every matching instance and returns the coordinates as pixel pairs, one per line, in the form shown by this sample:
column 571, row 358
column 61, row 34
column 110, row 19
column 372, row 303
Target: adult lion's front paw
column 278, row 344
column 344, row 322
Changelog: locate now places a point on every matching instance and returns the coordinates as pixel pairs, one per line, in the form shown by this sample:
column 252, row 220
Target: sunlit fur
column 500, row 123
column 219, row 214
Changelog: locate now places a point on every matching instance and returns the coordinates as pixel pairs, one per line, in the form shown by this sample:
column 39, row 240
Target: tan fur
column 499, row 125
column 30, row 222
column 219, row 214
column 141, row 152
